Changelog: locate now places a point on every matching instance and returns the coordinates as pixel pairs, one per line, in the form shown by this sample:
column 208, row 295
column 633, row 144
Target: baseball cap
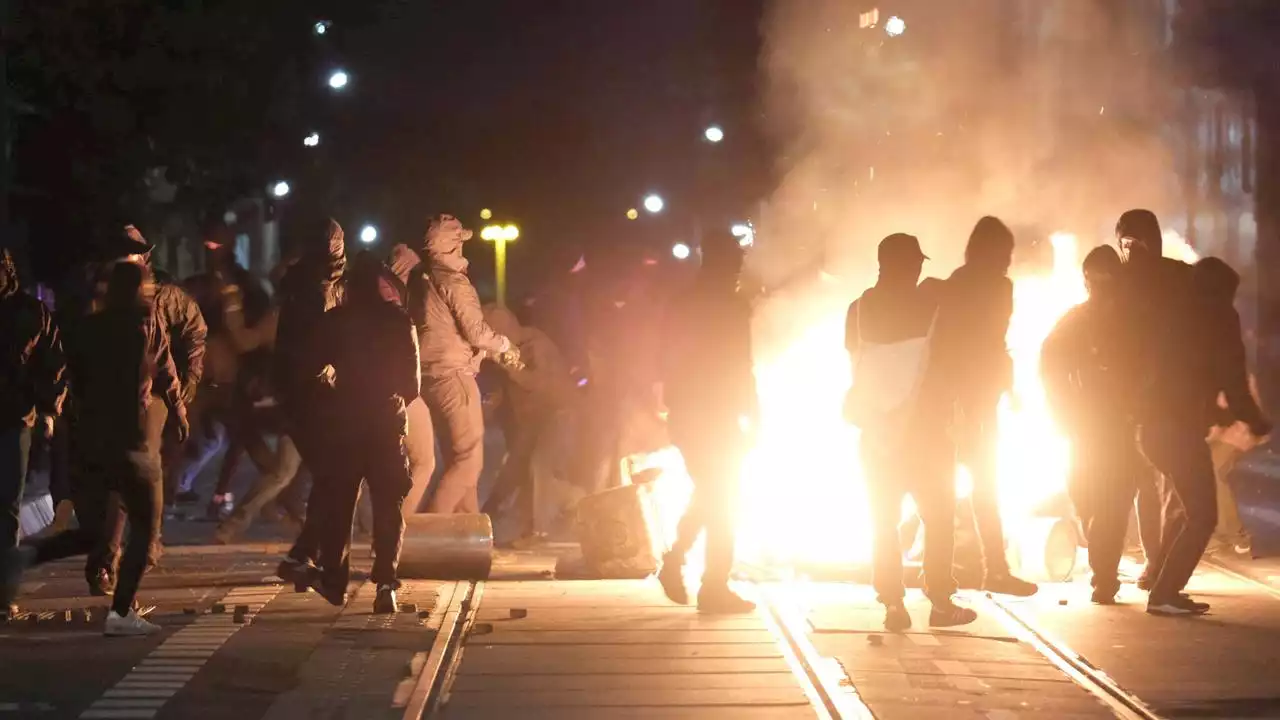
column 900, row 247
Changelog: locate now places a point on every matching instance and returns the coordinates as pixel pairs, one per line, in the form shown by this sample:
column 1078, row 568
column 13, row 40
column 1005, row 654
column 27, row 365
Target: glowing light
column 745, row 233
column 368, row 234
column 486, row 214
column 338, row 80
column 321, row 27
column 895, row 26
column 280, row 189
column 311, row 140
column 495, row 233
column 680, row 251
column 654, row 203
column 714, row 134
column 229, row 217
column 632, row 214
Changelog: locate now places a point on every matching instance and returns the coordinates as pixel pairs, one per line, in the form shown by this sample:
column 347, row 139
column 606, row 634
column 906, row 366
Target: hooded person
column 310, row 287
column 536, row 393
column 119, row 362
column 180, row 316
column 709, row 388
column 32, row 389
column 1086, row 381
column 453, row 339
column 971, row 369
column 370, row 356
column 888, row 332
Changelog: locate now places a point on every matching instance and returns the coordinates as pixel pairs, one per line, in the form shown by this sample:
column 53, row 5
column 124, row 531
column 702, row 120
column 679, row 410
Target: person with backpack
column 904, row 445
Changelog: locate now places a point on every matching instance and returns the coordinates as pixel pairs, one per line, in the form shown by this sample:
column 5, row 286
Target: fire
column 803, row 497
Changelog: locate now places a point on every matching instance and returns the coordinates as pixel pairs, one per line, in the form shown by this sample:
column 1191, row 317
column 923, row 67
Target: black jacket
column 180, row 315
column 118, row 359
column 31, row 359
column 308, row 289
column 1087, row 382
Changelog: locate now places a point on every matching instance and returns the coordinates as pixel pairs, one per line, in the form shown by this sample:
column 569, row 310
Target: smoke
column 1046, row 114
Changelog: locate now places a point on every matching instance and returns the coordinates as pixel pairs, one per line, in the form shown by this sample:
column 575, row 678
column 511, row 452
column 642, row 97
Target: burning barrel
column 1046, row 548
column 447, row 547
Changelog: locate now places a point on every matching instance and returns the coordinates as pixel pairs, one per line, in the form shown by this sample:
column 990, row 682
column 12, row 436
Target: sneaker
column 8, row 613
column 1104, row 597
column 1009, row 585
column 296, row 572
column 188, row 497
column 1178, row 605
column 128, row 626
column 949, row 614
column 385, row 602
column 723, row 601
column 1145, row 582
column 896, row 618
column 220, row 507
column 331, row 591
column 1244, row 547
column 672, row 578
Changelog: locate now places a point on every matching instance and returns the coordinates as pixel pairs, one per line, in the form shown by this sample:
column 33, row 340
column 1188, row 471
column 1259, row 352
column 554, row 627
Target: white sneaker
column 128, row 626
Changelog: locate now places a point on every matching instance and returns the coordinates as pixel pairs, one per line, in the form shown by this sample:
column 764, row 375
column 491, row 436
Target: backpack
column 886, row 380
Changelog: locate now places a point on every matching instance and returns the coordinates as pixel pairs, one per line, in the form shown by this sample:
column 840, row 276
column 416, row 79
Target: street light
column 338, row 79
column 500, row 235
column 368, row 234
column 632, row 214
column 311, row 140
column 486, row 214
column 654, row 204
column 680, row 251
column 280, row 189
column 895, row 26
column 321, row 27
column 745, row 233
column 714, row 134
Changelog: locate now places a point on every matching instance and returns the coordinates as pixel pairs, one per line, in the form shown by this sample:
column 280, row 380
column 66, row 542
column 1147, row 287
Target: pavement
column 532, row 643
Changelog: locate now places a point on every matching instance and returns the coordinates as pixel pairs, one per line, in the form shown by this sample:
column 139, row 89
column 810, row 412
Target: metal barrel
column 447, row 547
column 1046, row 549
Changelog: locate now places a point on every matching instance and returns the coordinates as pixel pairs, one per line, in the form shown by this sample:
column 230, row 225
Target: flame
column 803, row 494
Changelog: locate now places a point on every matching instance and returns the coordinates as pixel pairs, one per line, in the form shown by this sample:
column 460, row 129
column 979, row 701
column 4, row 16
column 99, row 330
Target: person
column 709, row 390
column 420, row 443
column 974, row 366
column 887, row 334
column 369, row 352
column 1235, row 411
column 32, row 390
column 453, row 338
column 536, row 393
column 180, row 316
column 1178, row 347
column 118, row 357
column 310, row 287
column 1085, row 380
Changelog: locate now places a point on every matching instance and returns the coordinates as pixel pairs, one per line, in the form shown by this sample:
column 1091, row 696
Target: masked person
column 975, row 370
column 887, row 334
column 308, row 289
column 1088, row 389
column 179, row 315
column 368, row 350
column 116, row 360
column 536, row 392
column 453, row 338
column 710, row 393
column 32, row 389
column 1235, row 413
column 1178, row 343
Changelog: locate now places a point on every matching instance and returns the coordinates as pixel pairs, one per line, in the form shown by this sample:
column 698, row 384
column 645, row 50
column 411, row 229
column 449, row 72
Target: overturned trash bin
column 447, row 547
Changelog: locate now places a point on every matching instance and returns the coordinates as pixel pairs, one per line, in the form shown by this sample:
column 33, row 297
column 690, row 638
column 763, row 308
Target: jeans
column 1230, row 528
column 107, row 557
column 15, row 454
column 267, row 487
column 1182, row 457
column 518, row 478
column 456, row 413
column 713, row 458
column 977, row 450
column 134, row 474
column 382, row 463
column 420, row 444
column 1103, row 484
column 927, row 474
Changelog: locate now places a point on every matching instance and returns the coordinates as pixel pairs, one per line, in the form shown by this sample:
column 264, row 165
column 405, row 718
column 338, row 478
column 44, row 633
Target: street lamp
column 632, row 214
column 680, row 251
column 500, row 235
column 895, row 26
column 311, row 140
column 486, row 214
column 368, row 234
column 654, row 204
column 321, row 27
column 280, row 189
column 338, row 79
column 745, row 233
column 714, row 134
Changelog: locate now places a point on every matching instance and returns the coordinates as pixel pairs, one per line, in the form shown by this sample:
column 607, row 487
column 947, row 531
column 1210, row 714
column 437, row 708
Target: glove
column 511, row 359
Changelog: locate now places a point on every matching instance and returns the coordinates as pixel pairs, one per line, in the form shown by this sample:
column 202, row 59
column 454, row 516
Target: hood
column 1143, row 226
column 443, row 243
column 1217, row 279
column 403, row 260
column 8, row 275
column 333, row 254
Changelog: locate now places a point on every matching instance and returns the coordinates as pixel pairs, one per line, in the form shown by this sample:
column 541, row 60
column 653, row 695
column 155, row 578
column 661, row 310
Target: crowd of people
column 363, row 366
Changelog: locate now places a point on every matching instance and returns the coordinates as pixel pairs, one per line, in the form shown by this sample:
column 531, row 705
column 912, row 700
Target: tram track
column 1093, row 679
column 438, row 671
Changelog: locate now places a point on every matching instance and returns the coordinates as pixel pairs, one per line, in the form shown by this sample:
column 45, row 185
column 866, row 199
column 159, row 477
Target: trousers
column 713, row 456
column 420, row 445
column 458, row 418
column 1103, row 484
column 1230, row 527
column 162, row 450
column 134, row 475
column 267, row 488
column 15, row 454
column 977, row 447
column 1182, row 457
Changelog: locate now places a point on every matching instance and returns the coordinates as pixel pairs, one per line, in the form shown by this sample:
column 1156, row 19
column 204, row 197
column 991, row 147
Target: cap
column 128, row 242
column 900, row 247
